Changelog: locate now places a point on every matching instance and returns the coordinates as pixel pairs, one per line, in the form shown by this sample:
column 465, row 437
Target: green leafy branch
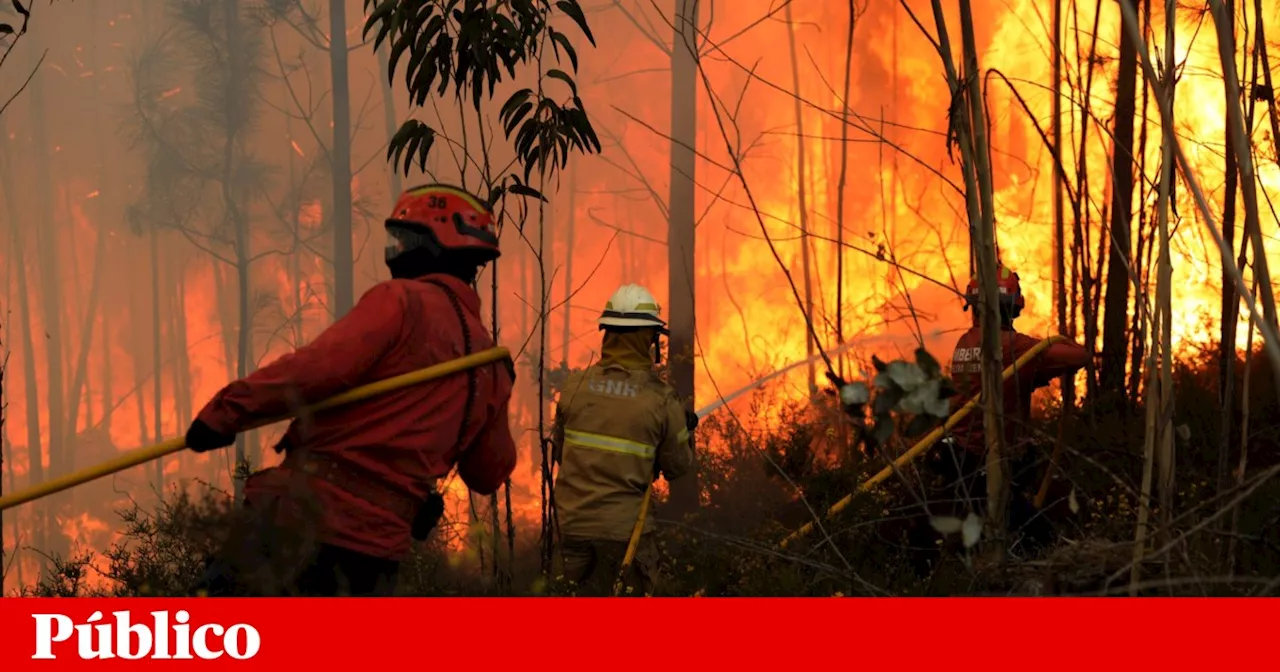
column 466, row 47
column 7, row 28
column 914, row 392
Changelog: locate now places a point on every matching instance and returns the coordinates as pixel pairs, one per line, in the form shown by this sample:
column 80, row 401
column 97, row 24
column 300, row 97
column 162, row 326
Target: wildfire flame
column 894, row 281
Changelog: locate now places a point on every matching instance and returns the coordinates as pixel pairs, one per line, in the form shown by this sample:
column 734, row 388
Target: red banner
column 1029, row 635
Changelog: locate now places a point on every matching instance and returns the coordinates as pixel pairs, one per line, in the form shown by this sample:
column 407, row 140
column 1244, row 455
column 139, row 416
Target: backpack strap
column 472, row 380
column 507, row 361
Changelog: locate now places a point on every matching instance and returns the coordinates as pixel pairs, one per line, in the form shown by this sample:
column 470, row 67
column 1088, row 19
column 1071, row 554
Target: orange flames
column 898, row 214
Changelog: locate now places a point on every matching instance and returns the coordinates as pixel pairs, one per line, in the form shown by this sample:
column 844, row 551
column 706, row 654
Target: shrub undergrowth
column 765, row 477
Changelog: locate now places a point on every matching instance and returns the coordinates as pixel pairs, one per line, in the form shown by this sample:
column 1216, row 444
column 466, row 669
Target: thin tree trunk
column 504, row 580
column 340, row 169
column 15, row 559
column 1148, row 464
column 9, row 517
column 1082, row 213
column 842, row 181
column 1166, row 485
column 527, row 326
column 104, row 186
column 295, row 260
column 108, row 379
column 389, row 115
column 1067, row 382
column 240, row 227
column 73, row 307
column 226, row 317
column 1272, row 115
column 1243, row 149
column 6, row 455
column 137, row 353
column 982, row 224
column 1243, row 463
column 802, row 184
column 547, row 273
column 1230, row 301
column 80, row 383
column 545, row 217
column 35, row 459
column 178, row 347
column 244, row 342
column 1115, row 318
column 1144, row 244
column 182, row 354
column 1158, row 444
column 50, row 274
column 681, row 237
column 157, row 374
column 571, row 220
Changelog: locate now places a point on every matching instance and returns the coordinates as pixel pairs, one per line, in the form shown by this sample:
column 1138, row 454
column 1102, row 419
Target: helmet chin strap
column 657, row 347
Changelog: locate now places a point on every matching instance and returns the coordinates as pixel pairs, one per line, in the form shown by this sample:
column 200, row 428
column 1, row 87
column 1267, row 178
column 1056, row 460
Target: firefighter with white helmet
column 618, row 426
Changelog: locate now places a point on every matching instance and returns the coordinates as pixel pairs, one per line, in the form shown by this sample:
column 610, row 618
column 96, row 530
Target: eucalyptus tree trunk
column 681, row 268
column 1115, row 318
column 180, row 368
column 1059, row 223
column 51, row 296
column 802, row 185
column 80, row 380
column 1230, row 300
column 1158, row 444
column 237, row 221
column 1243, row 149
column 108, row 371
column 157, row 372
column 35, row 461
column 982, row 224
column 570, row 221
column 340, row 160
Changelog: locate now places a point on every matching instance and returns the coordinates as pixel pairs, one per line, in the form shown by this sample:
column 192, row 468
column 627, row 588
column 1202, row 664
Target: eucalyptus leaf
column 464, row 50
column 855, row 394
column 971, row 530
column 946, row 524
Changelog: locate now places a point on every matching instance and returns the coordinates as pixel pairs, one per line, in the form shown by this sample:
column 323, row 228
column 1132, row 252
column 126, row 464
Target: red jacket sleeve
column 335, row 362
column 1058, row 360
column 492, row 458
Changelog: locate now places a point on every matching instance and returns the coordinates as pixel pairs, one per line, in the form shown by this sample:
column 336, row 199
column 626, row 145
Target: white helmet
column 632, row 306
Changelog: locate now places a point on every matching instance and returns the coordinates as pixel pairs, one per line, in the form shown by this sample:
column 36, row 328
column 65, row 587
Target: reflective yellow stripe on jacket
column 611, row 444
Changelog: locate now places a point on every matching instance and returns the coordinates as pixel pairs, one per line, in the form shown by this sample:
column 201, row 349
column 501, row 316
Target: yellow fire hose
column 143, row 455
column 634, row 542
column 925, row 443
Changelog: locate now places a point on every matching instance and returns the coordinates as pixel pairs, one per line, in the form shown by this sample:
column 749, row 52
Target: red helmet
column 1010, row 291
column 442, row 219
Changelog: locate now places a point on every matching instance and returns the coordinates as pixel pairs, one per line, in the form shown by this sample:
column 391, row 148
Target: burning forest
column 826, row 199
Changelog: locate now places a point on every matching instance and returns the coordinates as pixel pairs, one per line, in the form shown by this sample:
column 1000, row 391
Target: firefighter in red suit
column 366, row 471
column 961, row 458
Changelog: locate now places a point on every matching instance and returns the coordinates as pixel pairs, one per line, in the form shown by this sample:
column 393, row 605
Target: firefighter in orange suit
column 617, row 427
column 369, row 468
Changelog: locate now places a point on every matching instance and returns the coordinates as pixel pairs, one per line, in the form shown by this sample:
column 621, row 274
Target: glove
column 690, row 420
column 511, row 368
column 202, row 438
